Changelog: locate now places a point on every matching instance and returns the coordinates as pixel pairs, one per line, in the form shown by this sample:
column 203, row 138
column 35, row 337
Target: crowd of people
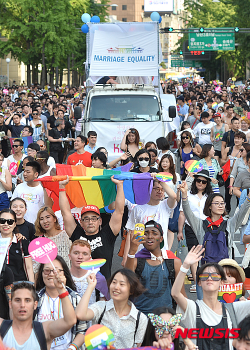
column 144, row 302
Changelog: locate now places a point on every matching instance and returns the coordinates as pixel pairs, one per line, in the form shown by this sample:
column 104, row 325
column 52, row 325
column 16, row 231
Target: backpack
column 215, row 243
column 171, row 272
column 38, row 329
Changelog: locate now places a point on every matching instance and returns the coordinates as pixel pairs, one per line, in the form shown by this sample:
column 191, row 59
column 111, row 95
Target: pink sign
column 5, row 91
column 43, row 250
column 13, row 168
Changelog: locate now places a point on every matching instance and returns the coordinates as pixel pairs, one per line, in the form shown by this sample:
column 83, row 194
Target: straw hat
column 233, row 263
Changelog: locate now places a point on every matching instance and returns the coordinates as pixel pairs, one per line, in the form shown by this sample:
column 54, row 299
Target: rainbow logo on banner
column 76, row 95
column 98, row 335
column 214, row 105
column 229, row 293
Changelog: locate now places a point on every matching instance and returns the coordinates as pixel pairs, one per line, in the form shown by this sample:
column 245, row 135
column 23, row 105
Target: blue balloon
column 95, row 19
column 86, row 18
column 160, row 19
column 85, row 28
column 155, row 16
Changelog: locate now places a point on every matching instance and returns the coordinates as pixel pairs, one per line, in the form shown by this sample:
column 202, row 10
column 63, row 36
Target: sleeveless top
column 10, row 341
column 2, row 177
column 47, row 173
column 185, row 157
column 218, row 134
column 156, row 280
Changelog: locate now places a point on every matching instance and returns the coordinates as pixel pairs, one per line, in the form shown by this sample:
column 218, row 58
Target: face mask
column 143, row 163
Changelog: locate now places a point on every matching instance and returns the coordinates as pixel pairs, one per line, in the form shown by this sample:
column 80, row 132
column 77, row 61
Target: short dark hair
column 35, row 166
column 30, row 129
column 240, row 135
column 34, row 146
column 24, row 285
column 20, row 141
column 210, row 198
column 30, row 159
column 136, row 288
column 233, row 119
column 209, row 100
column 92, row 133
column 162, row 143
column 43, row 154
column 244, row 327
column 149, row 144
column 153, row 150
column 83, row 138
column 69, row 281
column 141, row 151
column 204, row 115
column 248, row 156
column 9, row 211
column 18, row 199
column 101, row 156
column 218, row 268
column 205, row 150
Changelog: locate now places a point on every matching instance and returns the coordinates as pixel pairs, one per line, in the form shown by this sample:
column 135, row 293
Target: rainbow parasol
column 193, row 166
column 92, row 264
column 164, row 177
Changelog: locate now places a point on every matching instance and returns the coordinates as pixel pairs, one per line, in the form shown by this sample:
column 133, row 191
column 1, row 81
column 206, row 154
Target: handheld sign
column 98, row 336
column 164, row 177
column 193, row 166
column 92, row 264
column 139, row 228
column 229, row 293
column 13, row 168
column 43, row 250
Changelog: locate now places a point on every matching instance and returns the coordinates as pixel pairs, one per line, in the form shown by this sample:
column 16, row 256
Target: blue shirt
column 89, row 149
column 183, row 110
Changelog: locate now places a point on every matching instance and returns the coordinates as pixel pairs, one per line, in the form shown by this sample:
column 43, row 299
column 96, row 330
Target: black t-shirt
column 229, row 138
column 6, row 279
column 103, row 80
column 51, row 120
column 27, row 229
column 102, row 245
column 56, row 134
column 151, row 170
column 4, row 143
column 17, row 253
column 16, row 130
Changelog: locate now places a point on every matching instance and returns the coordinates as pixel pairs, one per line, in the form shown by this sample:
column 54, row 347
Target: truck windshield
column 124, row 107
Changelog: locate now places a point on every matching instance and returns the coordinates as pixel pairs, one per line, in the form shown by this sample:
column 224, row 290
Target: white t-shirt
column 211, row 318
column 159, row 213
column 34, row 198
column 196, row 205
column 49, row 311
column 203, row 131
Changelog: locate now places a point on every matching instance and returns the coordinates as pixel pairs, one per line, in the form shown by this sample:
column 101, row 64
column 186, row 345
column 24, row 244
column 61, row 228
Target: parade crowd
column 144, row 302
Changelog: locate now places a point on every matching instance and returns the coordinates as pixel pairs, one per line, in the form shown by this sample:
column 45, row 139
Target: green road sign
column 211, row 40
column 187, row 63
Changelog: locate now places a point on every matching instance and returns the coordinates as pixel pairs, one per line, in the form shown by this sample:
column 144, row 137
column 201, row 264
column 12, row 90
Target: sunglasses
column 204, row 182
column 132, row 131
column 141, row 158
column 15, row 146
column 214, row 276
column 49, row 271
column 35, row 113
column 9, row 221
column 185, row 138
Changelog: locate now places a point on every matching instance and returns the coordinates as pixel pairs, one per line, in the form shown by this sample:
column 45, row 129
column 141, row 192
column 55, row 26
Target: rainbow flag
column 76, row 95
column 94, row 186
column 229, row 293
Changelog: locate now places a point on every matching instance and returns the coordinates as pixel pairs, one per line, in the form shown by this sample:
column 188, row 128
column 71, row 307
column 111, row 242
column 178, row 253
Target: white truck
column 112, row 109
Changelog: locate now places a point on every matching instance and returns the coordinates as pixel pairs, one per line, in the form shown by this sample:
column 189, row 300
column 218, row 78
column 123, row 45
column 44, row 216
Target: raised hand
column 92, row 281
column 194, row 255
column 117, row 182
column 63, row 183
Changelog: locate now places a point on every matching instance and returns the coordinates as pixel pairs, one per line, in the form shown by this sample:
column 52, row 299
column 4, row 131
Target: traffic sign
column 187, row 63
column 195, row 55
column 210, row 40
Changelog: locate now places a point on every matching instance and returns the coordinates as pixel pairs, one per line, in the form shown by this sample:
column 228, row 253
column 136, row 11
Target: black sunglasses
column 141, row 159
column 184, row 137
column 201, row 181
column 9, row 221
column 15, row 146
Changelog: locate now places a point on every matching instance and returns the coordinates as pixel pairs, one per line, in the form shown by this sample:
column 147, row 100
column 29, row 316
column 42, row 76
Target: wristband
column 62, row 189
column 229, row 186
column 73, row 346
column 184, row 197
column 63, row 295
column 183, row 269
column 131, row 256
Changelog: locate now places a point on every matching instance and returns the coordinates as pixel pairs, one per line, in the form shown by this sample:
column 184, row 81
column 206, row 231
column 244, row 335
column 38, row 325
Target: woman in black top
column 142, row 162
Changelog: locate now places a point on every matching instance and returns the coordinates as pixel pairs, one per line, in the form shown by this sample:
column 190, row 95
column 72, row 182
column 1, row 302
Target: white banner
column 131, row 53
column 110, row 135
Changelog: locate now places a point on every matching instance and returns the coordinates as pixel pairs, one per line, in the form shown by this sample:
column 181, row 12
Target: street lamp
column 8, row 71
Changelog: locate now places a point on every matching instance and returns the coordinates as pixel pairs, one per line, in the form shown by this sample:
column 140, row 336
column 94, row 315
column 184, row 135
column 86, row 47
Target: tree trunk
column 57, row 77
column 68, row 71
column 43, row 67
column 51, row 74
column 74, row 72
column 28, row 75
column 61, row 76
